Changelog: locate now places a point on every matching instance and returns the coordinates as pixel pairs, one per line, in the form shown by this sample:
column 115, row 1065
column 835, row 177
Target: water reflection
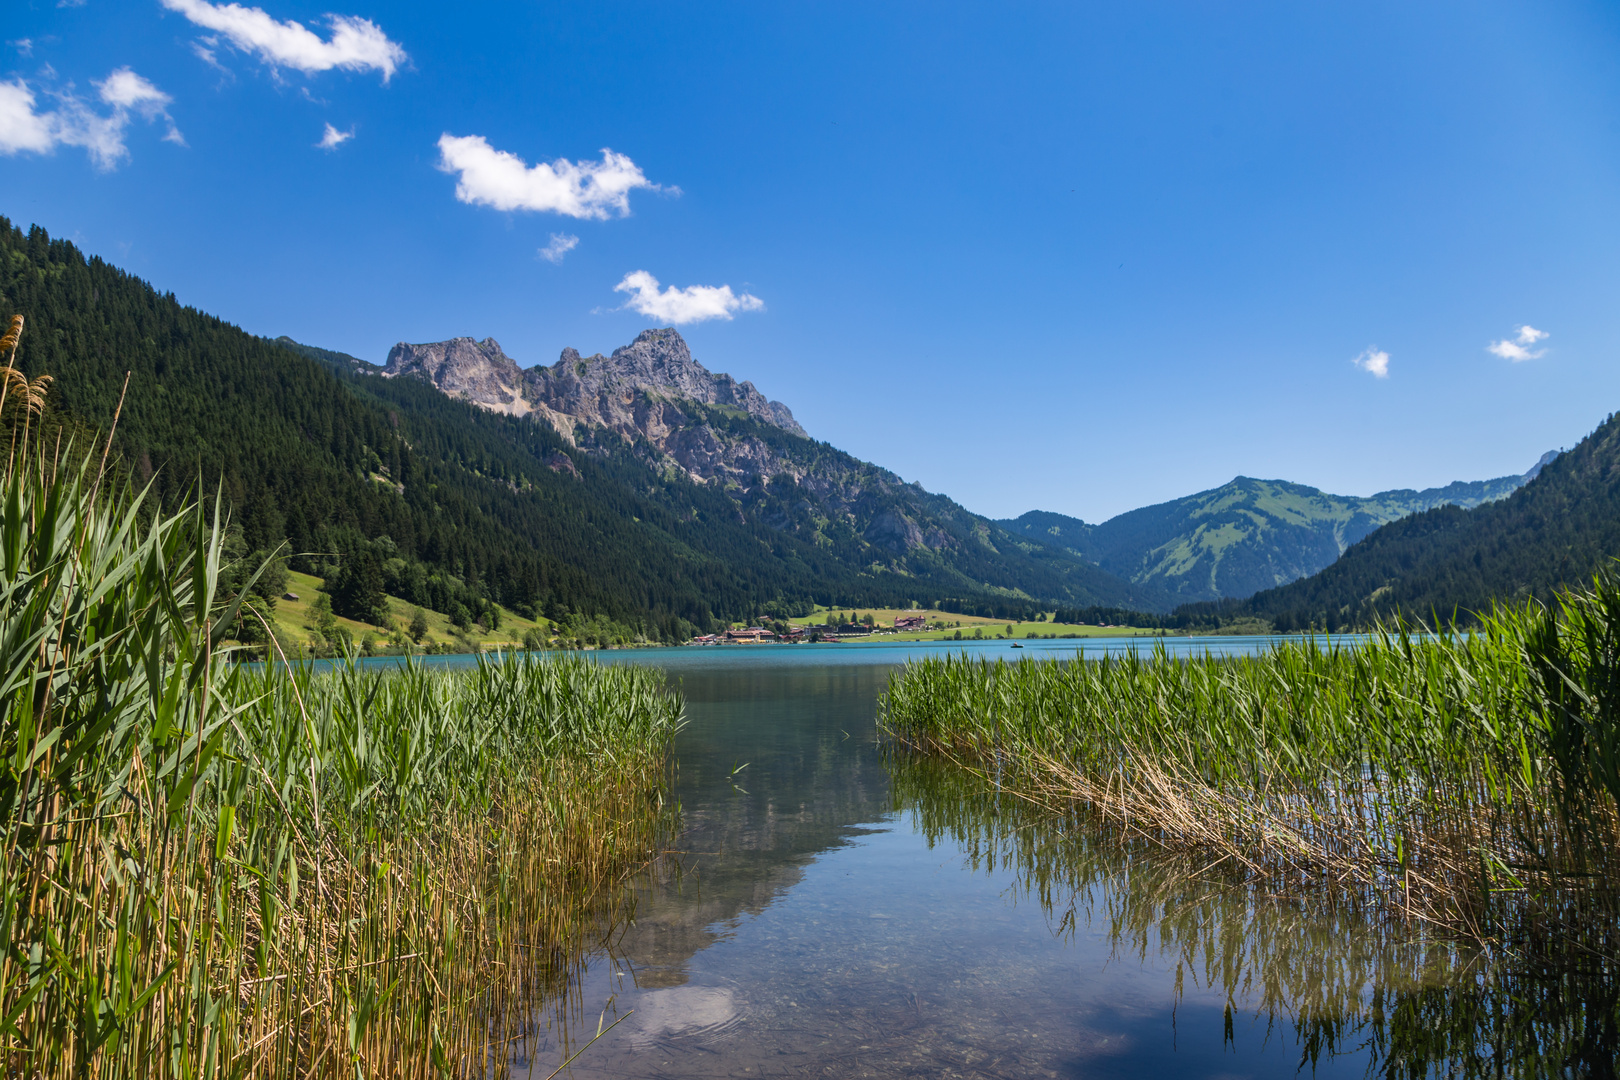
column 837, row 913
column 1299, row 954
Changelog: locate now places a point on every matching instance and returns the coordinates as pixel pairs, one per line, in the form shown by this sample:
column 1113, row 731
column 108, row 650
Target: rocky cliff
column 650, row 400
column 475, row 370
column 625, row 392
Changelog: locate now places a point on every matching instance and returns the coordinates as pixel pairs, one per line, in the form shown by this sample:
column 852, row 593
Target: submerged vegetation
column 1468, row 781
column 1409, row 1001
column 212, row 869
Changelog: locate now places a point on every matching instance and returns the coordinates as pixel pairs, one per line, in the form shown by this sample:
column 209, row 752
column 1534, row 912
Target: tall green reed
column 210, row 869
column 1435, row 770
column 1408, row 1001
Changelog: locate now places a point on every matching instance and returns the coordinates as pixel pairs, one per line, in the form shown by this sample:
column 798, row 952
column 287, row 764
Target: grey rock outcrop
column 477, row 371
column 606, row 390
column 636, row 392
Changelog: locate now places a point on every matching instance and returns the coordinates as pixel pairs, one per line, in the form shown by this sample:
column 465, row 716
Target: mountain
column 623, row 392
column 1246, row 535
column 457, row 505
column 651, row 402
column 1556, row 530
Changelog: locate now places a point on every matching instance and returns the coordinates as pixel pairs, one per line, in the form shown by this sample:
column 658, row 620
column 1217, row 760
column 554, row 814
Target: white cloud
column 24, row 46
column 577, row 189
column 1519, row 349
column 1375, row 360
column 332, row 138
column 356, row 44
column 125, row 90
column 21, row 128
column 560, row 245
column 24, row 128
column 695, row 303
column 70, row 3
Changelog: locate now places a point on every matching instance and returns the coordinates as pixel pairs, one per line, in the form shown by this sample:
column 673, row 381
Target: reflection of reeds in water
column 1432, row 773
column 1465, row 784
column 210, row 870
column 1318, row 959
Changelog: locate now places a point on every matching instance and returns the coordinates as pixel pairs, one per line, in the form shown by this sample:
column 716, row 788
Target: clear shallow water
column 837, row 913
column 838, row 909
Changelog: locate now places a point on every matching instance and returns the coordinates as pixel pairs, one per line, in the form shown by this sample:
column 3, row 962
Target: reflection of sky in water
column 678, row 1011
column 812, row 930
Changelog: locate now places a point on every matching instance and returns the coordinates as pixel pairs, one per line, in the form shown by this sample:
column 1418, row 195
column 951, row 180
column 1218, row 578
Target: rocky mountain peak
column 659, row 362
column 644, row 391
column 478, row 371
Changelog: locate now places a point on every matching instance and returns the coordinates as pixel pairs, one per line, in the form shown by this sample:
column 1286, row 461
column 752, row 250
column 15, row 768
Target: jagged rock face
column 607, row 390
column 652, row 400
column 477, row 371
column 647, row 394
column 637, row 392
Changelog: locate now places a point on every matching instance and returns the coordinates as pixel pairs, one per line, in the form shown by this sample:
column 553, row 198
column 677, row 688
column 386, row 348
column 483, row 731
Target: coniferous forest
column 451, row 504
column 390, row 486
column 1449, row 564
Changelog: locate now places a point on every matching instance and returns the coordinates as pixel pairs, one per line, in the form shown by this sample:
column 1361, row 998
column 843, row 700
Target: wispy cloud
column 486, row 176
column 1519, row 348
column 70, row 3
column 356, row 44
column 332, row 138
column 1374, row 360
column 560, row 245
column 26, row 128
column 125, row 91
column 24, row 46
column 695, row 303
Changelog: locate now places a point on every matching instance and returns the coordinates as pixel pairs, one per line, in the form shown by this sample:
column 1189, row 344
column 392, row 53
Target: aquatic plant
column 210, row 869
column 1317, row 960
column 1436, row 772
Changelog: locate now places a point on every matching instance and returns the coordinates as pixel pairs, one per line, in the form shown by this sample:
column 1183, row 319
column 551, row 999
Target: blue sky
column 1075, row 257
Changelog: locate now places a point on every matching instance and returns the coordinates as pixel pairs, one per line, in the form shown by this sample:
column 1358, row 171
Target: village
column 830, row 626
column 905, row 623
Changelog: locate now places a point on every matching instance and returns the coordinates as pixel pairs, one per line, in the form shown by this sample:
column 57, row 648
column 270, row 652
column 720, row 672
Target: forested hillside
column 1244, row 536
column 652, row 401
column 1557, row 530
column 435, row 500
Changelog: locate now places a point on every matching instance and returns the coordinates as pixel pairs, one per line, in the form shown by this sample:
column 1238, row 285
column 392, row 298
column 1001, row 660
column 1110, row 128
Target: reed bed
column 1435, row 773
column 1319, row 961
column 214, row 869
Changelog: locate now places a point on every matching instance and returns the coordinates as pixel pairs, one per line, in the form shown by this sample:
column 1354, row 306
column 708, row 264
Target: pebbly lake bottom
column 835, row 909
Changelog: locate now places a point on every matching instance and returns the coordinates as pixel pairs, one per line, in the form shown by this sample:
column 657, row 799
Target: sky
column 1072, row 257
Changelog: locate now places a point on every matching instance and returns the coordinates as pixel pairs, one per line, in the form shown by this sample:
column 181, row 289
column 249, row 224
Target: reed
column 1409, row 1000
column 1436, row 773
column 211, row 869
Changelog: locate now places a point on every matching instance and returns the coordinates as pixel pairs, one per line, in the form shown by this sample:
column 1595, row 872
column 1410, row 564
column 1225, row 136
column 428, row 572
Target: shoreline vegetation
column 212, row 869
column 1465, row 782
column 1417, row 1001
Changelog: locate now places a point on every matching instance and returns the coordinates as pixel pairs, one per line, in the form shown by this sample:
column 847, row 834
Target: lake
column 837, row 908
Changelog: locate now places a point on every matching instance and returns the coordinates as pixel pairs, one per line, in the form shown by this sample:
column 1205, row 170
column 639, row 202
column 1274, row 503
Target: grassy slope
column 296, row 620
column 1554, row 532
column 968, row 623
column 1244, row 536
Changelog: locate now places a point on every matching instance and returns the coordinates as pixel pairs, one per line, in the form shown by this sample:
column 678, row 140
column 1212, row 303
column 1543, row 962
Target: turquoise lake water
column 839, row 909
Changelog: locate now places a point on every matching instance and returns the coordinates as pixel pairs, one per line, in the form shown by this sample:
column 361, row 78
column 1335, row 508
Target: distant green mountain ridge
column 1244, row 536
column 1555, row 531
